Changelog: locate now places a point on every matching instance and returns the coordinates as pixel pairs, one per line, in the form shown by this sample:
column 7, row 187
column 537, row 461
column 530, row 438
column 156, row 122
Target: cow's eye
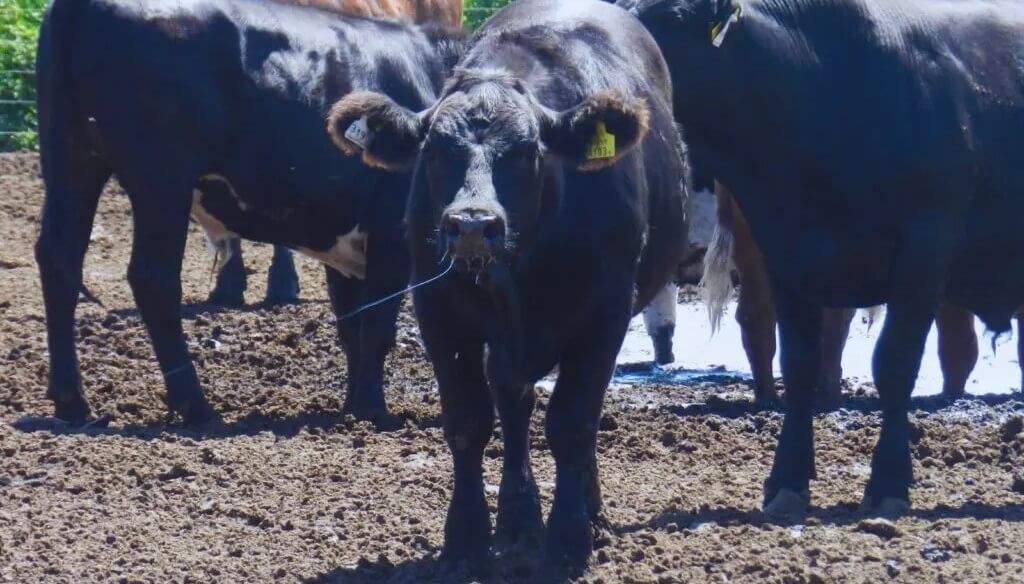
column 523, row 153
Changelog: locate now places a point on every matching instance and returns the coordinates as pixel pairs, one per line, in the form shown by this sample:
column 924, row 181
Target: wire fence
column 19, row 20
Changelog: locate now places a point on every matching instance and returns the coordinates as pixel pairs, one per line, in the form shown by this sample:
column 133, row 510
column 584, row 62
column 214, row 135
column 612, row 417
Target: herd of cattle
column 539, row 177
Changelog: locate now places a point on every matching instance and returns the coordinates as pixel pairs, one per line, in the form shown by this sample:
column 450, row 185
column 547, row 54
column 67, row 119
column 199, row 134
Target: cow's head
column 483, row 148
column 688, row 31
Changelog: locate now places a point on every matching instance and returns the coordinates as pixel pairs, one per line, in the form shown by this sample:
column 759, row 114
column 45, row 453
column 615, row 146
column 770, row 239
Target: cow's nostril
column 493, row 229
column 451, row 228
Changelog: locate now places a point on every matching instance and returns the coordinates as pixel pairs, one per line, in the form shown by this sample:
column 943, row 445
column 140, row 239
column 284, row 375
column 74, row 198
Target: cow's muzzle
column 475, row 237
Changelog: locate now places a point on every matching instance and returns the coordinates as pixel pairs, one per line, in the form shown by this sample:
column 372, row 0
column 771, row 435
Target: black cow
column 282, row 280
column 217, row 107
column 551, row 174
column 875, row 149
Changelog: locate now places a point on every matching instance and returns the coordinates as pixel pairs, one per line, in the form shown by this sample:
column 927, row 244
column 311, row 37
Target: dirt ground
column 291, row 491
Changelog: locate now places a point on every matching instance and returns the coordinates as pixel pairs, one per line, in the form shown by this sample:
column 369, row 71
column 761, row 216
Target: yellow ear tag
column 603, row 144
column 719, row 30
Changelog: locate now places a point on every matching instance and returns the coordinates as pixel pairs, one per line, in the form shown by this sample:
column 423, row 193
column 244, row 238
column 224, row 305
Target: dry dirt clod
column 1011, row 428
column 879, row 526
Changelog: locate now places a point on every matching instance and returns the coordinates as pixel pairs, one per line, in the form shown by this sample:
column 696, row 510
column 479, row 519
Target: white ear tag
column 358, row 133
column 719, row 30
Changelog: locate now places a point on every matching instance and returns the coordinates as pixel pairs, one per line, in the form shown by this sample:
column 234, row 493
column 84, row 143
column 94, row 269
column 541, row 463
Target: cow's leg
column 387, row 272
column 787, row 489
column 519, row 515
column 467, row 415
column 835, row 329
column 571, row 427
column 895, row 365
column 160, row 207
column 958, row 348
column 74, row 182
column 344, row 294
column 660, row 321
column 755, row 313
column 231, row 281
column 282, row 280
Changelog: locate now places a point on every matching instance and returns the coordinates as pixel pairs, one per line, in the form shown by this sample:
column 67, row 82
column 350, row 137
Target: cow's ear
column 598, row 132
column 386, row 134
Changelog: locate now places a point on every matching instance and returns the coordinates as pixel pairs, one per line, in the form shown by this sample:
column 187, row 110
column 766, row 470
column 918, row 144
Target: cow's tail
column 52, row 93
column 51, row 64
column 872, row 314
column 716, row 283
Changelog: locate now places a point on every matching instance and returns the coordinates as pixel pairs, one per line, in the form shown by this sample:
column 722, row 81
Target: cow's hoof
column 952, row 395
column 73, row 412
column 196, row 413
column 281, row 299
column 788, row 503
column 662, row 339
column 664, row 357
column 891, row 507
column 467, row 538
column 570, row 542
column 379, row 416
column 520, row 524
column 766, row 400
column 559, row 571
column 226, row 298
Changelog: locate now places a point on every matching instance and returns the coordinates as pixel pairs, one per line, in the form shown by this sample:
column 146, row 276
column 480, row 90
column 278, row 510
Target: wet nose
column 473, row 226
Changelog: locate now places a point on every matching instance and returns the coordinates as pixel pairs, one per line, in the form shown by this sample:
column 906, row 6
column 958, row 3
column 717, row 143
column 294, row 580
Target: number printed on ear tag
column 603, row 144
column 358, row 133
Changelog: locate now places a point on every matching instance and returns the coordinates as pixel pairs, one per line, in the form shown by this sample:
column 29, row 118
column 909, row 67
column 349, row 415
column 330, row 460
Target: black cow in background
column 217, row 107
column 551, row 173
column 875, row 149
column 282, row 280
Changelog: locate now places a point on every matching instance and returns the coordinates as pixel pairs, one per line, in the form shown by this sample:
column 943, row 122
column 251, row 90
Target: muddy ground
column 292, row 491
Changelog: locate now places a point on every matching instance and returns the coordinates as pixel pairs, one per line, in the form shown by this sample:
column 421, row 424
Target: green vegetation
column 475, row 12
column 19, row 28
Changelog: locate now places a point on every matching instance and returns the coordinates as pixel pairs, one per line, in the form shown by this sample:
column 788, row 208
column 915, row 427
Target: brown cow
column 733, row 242
column 443, row 12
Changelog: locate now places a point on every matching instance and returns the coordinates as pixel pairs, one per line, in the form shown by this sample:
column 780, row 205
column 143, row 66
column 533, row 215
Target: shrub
column 19, row 29
column 475, row 12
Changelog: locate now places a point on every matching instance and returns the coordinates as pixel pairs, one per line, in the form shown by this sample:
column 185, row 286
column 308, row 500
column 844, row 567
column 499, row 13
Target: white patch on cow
column 218, row 236
column 215, row 231
column 661, row 311
column 702, row 210
column 347, row 256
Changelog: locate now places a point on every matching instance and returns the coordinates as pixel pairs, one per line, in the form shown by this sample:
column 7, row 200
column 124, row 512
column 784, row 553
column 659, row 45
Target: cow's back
column 243, row 81
column 984, row 44
column 840, row 124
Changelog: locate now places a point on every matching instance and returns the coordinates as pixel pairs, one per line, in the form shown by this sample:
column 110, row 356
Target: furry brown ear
column 599, row 131
column 387, row 134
